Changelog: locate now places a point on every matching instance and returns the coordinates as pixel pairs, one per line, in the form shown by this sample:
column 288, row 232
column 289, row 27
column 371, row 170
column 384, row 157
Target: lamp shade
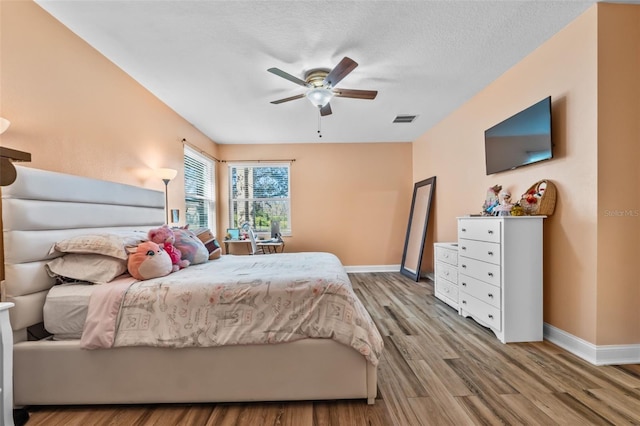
column 166, row 174
column 4, row 125
column 319, row 96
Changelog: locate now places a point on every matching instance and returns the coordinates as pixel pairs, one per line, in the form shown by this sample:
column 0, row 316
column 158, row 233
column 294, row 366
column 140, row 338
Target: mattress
column 65, row 310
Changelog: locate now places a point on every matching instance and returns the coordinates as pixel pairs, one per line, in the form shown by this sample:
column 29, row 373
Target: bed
column 41, row 208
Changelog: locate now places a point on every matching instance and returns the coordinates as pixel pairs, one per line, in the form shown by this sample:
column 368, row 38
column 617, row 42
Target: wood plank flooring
column 438, row 369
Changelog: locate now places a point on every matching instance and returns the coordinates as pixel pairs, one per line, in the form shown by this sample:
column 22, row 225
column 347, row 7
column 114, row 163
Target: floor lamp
column 166, row 175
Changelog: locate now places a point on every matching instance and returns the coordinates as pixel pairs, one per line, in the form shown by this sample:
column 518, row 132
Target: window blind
column 199, row 188
column 260, row 194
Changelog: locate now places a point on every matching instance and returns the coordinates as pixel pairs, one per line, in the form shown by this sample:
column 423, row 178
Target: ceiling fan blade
column 325, row 110
column 358, row 94
column 291, row 98
column 288, row 76
column 340, row 71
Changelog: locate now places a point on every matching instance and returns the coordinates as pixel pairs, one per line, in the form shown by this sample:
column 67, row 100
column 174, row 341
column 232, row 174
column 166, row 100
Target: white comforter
column 235, row 300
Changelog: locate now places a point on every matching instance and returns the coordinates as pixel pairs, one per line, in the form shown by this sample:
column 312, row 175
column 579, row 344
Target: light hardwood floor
column 438, row 369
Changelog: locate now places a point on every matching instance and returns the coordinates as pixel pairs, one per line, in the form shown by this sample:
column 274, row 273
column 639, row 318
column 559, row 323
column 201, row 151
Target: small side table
column 6, row 373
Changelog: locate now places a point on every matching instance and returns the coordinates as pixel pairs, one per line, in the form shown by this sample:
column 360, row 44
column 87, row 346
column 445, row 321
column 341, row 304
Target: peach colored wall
column 564, row 68
column 349, row 199
column 618, row 176
column 590, row 69
column 76, row 112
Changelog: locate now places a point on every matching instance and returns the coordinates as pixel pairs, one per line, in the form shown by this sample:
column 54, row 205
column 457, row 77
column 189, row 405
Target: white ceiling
column 208, row 60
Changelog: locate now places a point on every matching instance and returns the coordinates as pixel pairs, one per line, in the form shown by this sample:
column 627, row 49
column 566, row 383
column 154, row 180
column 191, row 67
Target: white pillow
column 95, row 268
column 111, row 244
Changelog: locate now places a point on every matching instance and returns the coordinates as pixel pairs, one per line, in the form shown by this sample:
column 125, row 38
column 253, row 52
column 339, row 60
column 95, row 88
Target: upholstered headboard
column 41, row 208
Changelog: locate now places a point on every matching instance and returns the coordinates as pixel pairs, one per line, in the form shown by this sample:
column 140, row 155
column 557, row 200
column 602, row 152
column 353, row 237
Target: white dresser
column 500, row 274
column 446, row 273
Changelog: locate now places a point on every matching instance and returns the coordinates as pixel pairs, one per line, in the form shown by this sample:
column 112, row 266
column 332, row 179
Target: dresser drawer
column 480, row 311
column 447, row 255
column 447, row 272
column 487, row 272
column 488, row 293
column 482, row 230
column 481, row 250
column 447, row 290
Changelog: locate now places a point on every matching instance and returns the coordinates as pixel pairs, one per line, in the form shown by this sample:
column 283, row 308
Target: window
column 259, row 194
column 199, row 190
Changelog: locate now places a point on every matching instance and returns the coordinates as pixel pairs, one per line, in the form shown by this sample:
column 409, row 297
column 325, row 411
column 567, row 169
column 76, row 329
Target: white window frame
column 208, row 186
column 285, row 231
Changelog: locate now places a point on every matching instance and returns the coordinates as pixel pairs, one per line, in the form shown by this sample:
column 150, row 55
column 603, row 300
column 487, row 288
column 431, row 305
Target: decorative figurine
column 491, row 202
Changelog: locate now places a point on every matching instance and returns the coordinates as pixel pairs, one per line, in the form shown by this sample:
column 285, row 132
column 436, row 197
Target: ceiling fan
column 321, row 84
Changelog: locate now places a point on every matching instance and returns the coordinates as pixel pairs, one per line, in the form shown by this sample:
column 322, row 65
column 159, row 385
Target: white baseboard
column 372, row 268
column 429, row 275
column 597, row 355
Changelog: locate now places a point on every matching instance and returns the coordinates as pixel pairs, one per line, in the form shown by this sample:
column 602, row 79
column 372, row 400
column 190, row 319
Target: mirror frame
column 417, row 222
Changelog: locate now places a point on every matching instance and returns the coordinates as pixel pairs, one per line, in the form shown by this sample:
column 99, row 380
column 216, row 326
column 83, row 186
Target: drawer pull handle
column 490, row 231
column 464, row 229
column 446, row 256
column 490, row 316
column 463, row 248
column 464, row 302
column 490, row 274
column 464, row 284
column 464, row 266
column 490, row 253
column 490, row 296
column 446, row 273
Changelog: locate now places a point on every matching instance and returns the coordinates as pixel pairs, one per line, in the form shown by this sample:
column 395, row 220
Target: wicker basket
column 544, row 194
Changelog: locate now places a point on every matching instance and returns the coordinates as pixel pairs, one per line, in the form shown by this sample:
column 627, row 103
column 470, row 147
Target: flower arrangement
column 517, row 210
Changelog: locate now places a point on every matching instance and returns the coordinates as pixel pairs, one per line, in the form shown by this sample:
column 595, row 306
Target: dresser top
column 502, row 217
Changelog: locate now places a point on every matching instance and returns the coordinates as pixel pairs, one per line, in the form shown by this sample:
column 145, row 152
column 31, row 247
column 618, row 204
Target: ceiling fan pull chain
column 319, row 121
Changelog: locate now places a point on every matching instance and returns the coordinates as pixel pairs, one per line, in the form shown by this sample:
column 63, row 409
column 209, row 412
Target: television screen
column 522, row 139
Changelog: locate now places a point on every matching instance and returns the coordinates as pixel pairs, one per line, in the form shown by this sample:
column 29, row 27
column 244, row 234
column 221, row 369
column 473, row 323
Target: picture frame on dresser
column 417, row 228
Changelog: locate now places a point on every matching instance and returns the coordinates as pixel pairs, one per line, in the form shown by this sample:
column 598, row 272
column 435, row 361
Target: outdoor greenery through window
column 199, row 190
column 260, row 194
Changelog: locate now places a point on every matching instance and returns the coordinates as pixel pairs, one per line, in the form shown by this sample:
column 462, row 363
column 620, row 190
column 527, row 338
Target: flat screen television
column 524, row 138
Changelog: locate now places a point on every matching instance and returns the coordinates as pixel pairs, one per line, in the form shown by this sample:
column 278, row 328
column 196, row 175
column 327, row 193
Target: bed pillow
column 209, row 240
column 190, row 246
column 111, row 244
column 94, row 268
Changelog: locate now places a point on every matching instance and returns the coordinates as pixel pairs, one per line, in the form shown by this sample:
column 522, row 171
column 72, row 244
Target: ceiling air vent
column 404, row 118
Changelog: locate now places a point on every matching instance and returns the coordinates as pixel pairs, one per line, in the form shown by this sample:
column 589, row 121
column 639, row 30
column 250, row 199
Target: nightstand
column 6, row 378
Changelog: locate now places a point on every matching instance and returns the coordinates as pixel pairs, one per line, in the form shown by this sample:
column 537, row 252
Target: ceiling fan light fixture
column 319, row 96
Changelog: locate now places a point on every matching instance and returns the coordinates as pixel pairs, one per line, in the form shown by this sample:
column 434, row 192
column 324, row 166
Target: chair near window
column 254, row 245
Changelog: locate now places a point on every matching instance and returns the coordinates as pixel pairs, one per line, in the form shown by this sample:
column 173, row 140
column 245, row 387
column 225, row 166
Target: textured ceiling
column 208, row 60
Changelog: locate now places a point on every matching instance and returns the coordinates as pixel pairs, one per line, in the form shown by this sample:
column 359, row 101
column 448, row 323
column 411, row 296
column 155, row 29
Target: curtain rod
column 195, row 148
column 259, row 161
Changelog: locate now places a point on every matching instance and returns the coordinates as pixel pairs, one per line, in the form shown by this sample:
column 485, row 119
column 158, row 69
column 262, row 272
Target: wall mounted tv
column 524, row 138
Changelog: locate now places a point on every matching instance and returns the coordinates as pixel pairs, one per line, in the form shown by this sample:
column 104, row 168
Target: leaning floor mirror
column 417, row 229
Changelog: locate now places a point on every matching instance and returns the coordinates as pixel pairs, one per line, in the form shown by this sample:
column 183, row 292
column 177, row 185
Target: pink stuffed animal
column 165, row 237
column 148, row 260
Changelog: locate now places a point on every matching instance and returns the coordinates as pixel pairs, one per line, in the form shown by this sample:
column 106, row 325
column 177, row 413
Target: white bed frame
column 43, row 207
